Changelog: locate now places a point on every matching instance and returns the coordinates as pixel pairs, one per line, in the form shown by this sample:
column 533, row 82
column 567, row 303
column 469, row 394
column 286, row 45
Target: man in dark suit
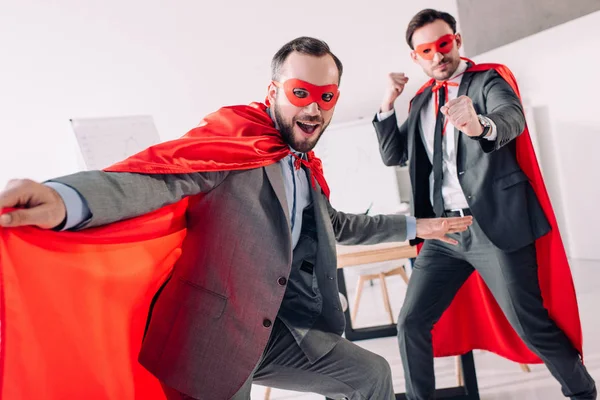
column 254, row 296
column 459, row 143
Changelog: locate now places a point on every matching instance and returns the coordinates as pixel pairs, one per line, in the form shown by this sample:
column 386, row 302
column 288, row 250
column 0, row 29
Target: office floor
column 498, row 378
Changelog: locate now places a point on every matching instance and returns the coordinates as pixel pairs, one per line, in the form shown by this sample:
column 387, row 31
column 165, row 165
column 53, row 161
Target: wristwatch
column 487, row 126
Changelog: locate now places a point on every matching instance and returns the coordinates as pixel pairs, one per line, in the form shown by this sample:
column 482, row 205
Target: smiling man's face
column 301, row 127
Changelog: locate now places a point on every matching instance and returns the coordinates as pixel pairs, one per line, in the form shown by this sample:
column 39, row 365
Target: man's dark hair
column 303, row 45
column 425, row 17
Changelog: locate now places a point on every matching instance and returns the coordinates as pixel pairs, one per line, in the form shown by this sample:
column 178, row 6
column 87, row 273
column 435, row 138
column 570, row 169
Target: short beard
column 446, row 75
column 287, row 133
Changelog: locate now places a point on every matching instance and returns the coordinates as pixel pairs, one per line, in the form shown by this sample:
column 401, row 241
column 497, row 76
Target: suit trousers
column 439, row 272
column 347, row 371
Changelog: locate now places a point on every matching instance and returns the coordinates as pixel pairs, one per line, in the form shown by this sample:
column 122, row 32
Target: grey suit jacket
column 211, row 321
column 497, row 190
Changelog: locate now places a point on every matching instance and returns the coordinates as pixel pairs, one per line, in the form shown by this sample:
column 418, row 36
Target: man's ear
column 413, row 55
column 271, row 93
column 458, row 38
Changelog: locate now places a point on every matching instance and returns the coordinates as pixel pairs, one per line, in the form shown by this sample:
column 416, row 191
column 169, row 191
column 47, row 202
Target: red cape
column 74, row 304
column 474, row 320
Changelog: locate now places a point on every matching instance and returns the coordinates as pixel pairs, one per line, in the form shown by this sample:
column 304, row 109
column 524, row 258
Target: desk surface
column 366, row 254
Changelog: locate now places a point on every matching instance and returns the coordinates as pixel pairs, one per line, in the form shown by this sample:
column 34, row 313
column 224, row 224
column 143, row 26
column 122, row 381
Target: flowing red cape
column 474, row 320
column 74, row 304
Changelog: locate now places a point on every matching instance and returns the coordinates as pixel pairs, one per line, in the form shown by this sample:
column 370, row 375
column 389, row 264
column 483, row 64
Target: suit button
column 267, row 323
column 330, row 277
column 282, row 281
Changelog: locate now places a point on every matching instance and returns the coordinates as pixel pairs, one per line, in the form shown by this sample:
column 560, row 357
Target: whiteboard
column 105, row 141
column 357, row 177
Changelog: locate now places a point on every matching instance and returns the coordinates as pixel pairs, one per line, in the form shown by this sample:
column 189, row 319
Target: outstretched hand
column 439, row 228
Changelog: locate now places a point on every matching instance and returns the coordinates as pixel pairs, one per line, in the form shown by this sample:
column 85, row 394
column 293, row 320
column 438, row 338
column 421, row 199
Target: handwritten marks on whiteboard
column 105, row 141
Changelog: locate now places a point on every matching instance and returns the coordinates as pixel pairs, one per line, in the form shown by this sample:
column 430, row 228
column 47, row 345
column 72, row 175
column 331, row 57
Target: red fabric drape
column 74, row 304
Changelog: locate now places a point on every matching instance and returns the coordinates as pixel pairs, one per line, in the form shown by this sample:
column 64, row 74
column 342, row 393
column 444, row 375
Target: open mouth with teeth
column 308, row 127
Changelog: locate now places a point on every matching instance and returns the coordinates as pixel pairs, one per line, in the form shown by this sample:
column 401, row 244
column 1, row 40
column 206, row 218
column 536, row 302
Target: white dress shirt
column 452, row 192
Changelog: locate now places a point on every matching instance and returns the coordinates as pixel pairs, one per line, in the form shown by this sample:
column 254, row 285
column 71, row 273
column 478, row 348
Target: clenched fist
column 461, row 113
column 395, row 86
column 36, row 204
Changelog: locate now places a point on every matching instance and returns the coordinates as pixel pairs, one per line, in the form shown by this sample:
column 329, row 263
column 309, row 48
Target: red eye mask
column 443, row 45
column 301, row 93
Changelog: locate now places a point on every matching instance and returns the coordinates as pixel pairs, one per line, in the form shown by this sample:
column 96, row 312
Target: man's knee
column 410, row 323
column 378, row 369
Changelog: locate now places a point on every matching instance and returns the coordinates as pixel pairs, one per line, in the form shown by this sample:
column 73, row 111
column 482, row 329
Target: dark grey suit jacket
column 497, row 190
column 210, row 322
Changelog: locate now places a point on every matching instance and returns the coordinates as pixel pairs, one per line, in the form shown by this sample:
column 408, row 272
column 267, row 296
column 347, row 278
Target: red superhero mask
column 301, row 93
column 443, row 45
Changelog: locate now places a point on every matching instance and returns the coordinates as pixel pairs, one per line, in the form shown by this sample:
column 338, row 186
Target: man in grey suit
column 254, row 296
column 462, row 161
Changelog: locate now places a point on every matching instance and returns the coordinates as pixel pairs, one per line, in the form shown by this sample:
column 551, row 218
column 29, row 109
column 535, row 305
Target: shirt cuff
column 384, row 115
column 411, row 227
column 76, row 207
column 493, row 132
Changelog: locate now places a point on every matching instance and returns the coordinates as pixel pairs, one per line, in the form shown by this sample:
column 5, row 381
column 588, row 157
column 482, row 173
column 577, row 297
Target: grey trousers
column 347, row 371
column 439, row 272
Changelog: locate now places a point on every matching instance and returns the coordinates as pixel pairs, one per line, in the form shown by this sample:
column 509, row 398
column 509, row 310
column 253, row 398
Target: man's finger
column 15, row 193
column 456, row 109
column 17, row 218
column 398, row 78
column 40, row 216
column 448, row 240
column 5, row 219
column 444, row 225
column 9, row 197
column 458, row 113
column 457, row 221
column 459, row 120
column 453, row 102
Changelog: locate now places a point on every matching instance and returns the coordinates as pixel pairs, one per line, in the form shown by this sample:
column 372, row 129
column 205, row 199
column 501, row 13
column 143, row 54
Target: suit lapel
column 416, row 106
column 414, row 124
column 414, row 133
column 275, row 177
column 462, row 90
column 326, row 253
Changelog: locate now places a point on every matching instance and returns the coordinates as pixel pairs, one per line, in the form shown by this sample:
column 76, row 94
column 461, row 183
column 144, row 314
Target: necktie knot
column 436, row 89
column 315, row 167
column 299, row 161
column 443, row 84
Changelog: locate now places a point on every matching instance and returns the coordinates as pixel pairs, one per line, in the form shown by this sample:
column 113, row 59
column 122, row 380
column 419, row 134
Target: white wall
column 491, row 24
column 177, row 61
column 557, row 71
column 357, row 178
